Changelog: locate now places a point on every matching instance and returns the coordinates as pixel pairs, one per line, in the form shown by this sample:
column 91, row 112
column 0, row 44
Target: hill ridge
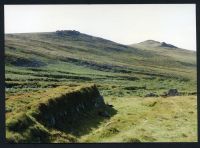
column 155, row 43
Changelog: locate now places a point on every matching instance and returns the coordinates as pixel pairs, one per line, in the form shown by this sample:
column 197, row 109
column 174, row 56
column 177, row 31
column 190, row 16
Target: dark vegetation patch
column 19, row 123
column 149, row 138
column 98, row 66
column 10, row 80
column 23, row 62
column 131, row 78
column 109, row 131
column 48, row 75
column 110, row 49
column 187, row 64
column 151, row 95
column 57, row 76
column 134, row 87
column 131, row 140
column 31, row 84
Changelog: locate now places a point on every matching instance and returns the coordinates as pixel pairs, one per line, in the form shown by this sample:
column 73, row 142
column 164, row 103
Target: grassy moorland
column 42, row 68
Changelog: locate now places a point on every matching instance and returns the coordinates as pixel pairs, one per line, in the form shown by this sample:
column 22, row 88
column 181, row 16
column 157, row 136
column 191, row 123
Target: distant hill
column 166, row 49
column 35, row 49
column 153, row 43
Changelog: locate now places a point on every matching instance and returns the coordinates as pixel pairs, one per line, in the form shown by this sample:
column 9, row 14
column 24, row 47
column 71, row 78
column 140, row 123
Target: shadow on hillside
column 84, row 124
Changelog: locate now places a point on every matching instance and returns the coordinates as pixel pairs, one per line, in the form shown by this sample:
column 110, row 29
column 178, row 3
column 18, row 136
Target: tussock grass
column 171, row 119
column 55, row 111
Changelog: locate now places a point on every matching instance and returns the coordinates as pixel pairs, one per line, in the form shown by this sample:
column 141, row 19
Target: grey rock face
column 67, row 32
column 173, row 92
column 163, row 44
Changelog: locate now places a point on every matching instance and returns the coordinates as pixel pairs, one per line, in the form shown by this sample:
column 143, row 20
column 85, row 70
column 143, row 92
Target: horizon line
column 97, row 37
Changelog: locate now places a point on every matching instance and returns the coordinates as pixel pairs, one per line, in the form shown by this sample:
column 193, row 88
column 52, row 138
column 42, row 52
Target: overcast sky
column 126, row 24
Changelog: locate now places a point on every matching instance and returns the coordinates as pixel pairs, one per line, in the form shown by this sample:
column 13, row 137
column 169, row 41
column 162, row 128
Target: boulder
column 172, row 92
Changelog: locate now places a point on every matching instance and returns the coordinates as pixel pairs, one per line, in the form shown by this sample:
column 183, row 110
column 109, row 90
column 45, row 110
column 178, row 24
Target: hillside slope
column 70, row 53
column 40, row 63
column 88, row 50
column 164, row 49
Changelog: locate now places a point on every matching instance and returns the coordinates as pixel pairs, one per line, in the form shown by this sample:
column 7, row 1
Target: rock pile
column 172, row 92
column 67, row 32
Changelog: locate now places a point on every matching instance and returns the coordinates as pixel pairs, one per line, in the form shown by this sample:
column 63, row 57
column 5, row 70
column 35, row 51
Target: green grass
column 44, row 66
column 172, row 119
